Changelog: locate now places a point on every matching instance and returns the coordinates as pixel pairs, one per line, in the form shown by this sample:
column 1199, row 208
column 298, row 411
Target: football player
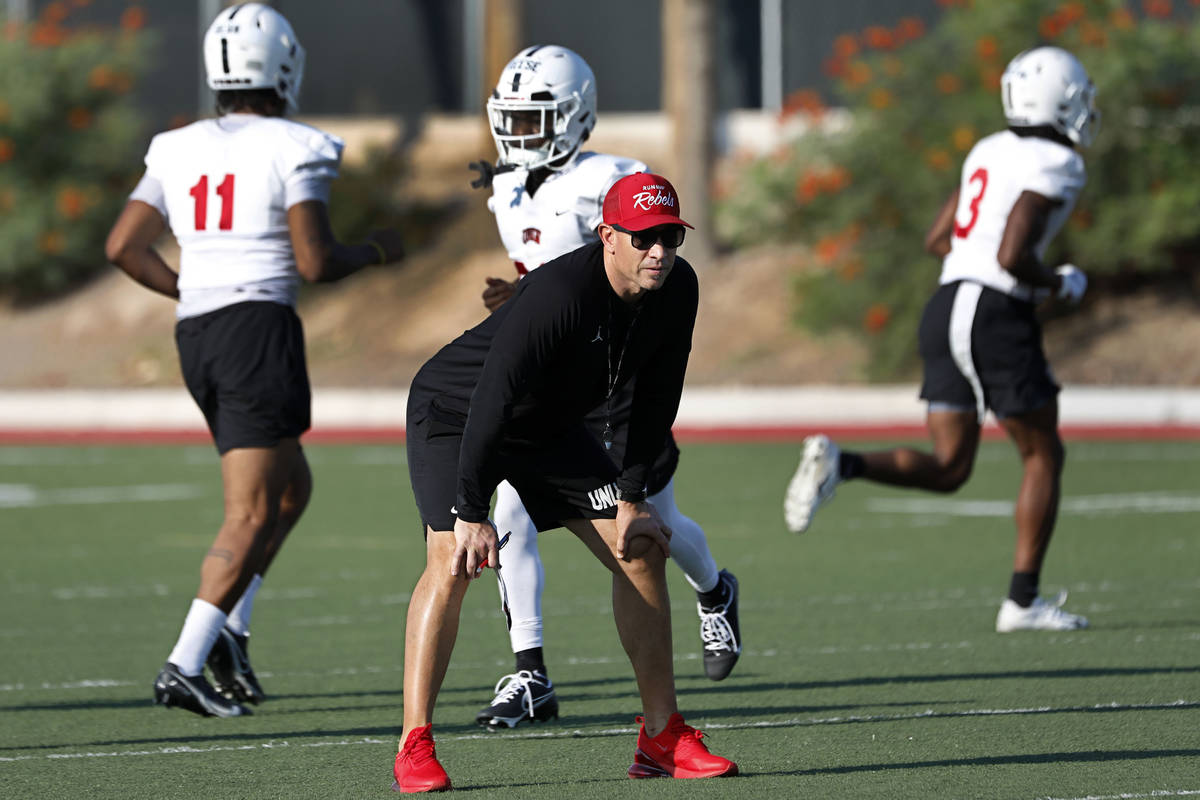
column 547, row 195
column 245, row 195
column 980, row 340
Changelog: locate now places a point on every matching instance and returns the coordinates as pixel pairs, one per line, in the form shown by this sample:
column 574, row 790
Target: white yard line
column 574, row 733
column 1133, row 795
column 19, row 495
column 86, row 683
column 1066, row 638
column 1139, row 503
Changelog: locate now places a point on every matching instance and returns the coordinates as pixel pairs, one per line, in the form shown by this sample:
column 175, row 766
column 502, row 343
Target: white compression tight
column 524, row 577
column 521, row 565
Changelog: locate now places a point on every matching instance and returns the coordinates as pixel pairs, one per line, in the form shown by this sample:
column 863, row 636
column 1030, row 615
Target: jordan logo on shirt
column 599, row 334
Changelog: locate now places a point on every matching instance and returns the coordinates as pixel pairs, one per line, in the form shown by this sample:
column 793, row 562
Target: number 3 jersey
column 564, row 212
column 996, row 171
column 224, row 186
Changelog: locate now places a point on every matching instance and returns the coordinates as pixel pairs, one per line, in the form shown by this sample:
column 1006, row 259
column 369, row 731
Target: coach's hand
column 636, row 520
column 475, row 546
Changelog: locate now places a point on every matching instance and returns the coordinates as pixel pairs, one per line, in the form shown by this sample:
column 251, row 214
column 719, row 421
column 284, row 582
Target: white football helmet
column 543, row 108
column 252, row 46
column 1048, row 86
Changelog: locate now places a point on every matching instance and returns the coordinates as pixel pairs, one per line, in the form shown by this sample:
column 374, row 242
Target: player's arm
column 320, row 257
column 1018, row 247
column 525, row 342
column 937, row 240
column 130, row 246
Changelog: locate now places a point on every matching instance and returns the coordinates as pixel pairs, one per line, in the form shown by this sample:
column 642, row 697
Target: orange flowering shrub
column 987, row 48
column 948, row 83
column 70, row 145
column 964, row 137
column 804, row 101
column 919, row 99
column 878, row 37
column 880, row 98
column 877, row 318
column 938, row 159
column 910, row 29
column 133, row 19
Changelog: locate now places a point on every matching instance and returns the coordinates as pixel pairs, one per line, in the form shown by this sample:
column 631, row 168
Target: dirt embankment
column 376, row 328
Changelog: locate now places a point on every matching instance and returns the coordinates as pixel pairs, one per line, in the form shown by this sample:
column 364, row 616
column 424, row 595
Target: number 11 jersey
column 224, row 186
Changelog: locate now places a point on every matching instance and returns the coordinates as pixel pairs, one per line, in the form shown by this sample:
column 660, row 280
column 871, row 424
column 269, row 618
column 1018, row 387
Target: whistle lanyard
column 614, row 374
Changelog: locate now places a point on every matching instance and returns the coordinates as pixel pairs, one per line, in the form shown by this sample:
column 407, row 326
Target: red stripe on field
column 787, row 433
column 685, row 433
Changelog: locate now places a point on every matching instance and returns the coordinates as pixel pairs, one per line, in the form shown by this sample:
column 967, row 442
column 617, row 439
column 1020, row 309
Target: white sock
column 200, row 629
column 689, row 545
column 239, row 618
column 521, row 568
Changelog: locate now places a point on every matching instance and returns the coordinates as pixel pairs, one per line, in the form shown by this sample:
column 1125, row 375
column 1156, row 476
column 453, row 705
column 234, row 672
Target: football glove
column 487, row 171
column 1074, row 283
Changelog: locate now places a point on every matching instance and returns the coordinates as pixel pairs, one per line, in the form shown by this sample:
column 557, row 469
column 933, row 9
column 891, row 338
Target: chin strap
column 487, row 171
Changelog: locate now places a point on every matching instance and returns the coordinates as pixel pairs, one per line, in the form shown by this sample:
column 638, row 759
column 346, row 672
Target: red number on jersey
column 226, row 192
column 981, row 175
column 199, row 193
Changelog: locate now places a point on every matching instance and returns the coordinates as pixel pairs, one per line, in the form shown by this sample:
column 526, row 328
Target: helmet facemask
column 1080, row 120
column 539, row 132
column 542, row 108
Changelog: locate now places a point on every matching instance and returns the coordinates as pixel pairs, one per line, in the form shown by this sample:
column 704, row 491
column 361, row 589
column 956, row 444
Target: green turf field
column 870, row 670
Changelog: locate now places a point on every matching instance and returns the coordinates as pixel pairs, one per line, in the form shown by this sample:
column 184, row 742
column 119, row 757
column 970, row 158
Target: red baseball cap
column 640, row 201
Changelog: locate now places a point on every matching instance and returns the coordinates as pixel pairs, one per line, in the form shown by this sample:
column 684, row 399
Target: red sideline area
column 739, row 433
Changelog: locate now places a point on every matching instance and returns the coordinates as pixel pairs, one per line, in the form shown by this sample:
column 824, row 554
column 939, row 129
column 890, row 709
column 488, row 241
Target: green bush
column 863, row 194
column 69, row 146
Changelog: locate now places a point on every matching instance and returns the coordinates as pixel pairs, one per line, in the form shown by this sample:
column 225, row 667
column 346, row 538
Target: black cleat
column 174, row 689
column 719, row 632
column 524, row 696
column 230, row 665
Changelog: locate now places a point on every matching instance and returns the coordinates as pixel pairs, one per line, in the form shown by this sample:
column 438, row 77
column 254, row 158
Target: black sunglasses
column 671, row 236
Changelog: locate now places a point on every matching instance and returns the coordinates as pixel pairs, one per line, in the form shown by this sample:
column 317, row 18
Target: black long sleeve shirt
column 556, row 350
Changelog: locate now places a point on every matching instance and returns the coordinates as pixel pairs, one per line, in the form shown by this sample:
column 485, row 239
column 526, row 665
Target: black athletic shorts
column 567, row 476
column 982, row 349
column 244, row 365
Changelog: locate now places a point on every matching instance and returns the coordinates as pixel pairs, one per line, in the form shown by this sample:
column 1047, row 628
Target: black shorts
column 568, row 476
column 244, row 365
column 982, row 349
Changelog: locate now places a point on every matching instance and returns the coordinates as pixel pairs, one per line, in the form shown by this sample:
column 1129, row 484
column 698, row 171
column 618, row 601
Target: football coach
column 506, row 400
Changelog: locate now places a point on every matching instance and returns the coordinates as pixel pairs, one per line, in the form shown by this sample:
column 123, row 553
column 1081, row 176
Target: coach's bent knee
column 643, row 555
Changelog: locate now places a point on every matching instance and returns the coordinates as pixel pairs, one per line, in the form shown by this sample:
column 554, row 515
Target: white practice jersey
column 564, row 212
column 996, row 171
column 224, row 186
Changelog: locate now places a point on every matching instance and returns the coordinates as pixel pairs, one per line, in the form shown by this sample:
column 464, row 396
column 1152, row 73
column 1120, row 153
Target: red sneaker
column 677, row 752
column 417, row 768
